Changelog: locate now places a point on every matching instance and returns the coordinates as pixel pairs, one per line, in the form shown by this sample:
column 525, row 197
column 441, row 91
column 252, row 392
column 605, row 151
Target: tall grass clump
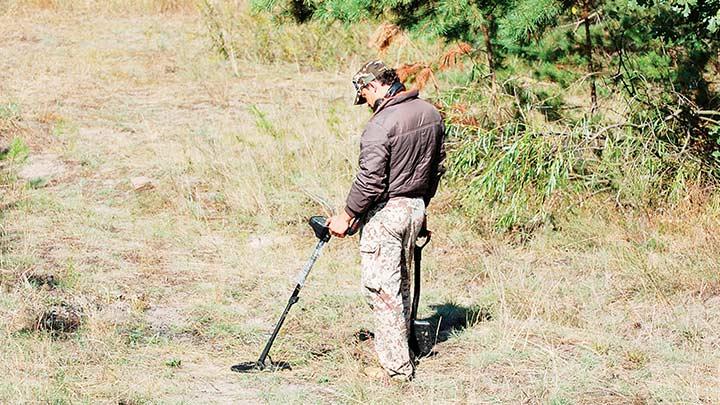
column 288, row 164
column 16, row 151
column 10, row 118
column 237, row 32
column 520, row 174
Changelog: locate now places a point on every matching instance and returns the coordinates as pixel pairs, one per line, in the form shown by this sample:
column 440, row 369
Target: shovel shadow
column 448, row 320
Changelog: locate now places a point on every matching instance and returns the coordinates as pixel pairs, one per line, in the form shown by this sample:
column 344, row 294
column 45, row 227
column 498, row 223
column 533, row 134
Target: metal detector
column 264, row 363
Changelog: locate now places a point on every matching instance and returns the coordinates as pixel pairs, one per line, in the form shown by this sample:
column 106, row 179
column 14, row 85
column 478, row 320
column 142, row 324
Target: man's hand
column 339, row 224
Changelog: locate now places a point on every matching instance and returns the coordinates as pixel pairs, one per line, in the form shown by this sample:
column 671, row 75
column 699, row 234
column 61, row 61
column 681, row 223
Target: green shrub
column 508, row 175
column 517, row 176
column 17, row 151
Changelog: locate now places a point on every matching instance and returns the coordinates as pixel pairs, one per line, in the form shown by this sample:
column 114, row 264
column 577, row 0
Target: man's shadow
column 447, row 320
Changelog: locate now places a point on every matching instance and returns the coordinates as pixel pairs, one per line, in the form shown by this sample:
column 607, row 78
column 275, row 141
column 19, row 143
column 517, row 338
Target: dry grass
column 181, row 280
column 22, row 7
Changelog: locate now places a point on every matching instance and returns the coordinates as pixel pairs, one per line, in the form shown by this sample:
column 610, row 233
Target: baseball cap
column 369, row 72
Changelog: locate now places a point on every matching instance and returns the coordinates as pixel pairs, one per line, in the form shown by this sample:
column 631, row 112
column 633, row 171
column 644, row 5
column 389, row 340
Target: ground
column 164, row 198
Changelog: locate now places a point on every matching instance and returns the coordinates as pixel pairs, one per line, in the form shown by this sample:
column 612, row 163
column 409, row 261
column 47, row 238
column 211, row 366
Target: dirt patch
column 141, row 183
column 216, row 384
column 261, row 241
column 43, row 167
column 166, row 319
column 116, row 313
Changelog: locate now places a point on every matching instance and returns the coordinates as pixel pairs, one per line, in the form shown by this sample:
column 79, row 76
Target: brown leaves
column 384, row 36
column 419, row 72
column 450, row 58
column 407, row 70
column 422, row 77
column 460, row 114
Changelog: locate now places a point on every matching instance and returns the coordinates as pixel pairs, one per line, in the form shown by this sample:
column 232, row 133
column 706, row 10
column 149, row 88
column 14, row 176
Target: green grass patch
column 17, row 151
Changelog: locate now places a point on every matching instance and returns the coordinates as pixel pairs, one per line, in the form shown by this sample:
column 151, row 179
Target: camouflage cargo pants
column 386, row 246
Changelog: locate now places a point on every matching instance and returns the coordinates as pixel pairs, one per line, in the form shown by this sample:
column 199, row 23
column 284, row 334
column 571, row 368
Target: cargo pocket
column 369, row 274
column 369, row 247
column 394, row 222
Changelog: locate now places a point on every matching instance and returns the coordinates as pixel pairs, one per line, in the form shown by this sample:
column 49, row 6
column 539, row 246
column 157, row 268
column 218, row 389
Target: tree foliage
column 683, row 33
column 660, row 58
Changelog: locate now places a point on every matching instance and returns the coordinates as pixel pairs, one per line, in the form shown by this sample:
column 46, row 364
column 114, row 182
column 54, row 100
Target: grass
column 14, row 7
column 182, row 280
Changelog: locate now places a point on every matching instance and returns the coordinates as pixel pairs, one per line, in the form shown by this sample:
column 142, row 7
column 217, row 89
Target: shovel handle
column 424, row 234
column 353, row 227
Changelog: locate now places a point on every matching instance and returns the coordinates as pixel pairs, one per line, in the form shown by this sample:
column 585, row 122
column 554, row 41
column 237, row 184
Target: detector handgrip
column 317, row 223
column 322, row 232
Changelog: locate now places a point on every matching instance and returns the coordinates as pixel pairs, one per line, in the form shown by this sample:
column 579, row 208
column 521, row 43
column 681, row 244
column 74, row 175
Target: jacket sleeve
column 371, row 179
column 438, row 166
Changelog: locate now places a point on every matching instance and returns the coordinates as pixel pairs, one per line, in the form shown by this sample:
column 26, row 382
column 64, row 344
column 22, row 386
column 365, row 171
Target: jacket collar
column 397, row 99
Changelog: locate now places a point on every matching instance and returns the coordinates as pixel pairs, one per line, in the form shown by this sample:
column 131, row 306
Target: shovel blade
column 425, row 337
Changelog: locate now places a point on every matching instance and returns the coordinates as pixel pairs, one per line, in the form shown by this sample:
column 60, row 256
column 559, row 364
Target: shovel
column 422, row 335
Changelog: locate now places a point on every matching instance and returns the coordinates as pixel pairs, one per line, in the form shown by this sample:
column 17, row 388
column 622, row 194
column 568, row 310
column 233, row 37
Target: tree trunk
column 487, row 29
column 588, row 53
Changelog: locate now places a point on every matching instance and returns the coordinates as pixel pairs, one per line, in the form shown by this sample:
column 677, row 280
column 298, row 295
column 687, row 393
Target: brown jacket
column 401, row 153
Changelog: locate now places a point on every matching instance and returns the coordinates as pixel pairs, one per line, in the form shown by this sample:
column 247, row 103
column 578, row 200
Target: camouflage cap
column 369, row 72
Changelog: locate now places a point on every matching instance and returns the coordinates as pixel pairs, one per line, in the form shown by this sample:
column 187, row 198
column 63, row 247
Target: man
column 401, row 161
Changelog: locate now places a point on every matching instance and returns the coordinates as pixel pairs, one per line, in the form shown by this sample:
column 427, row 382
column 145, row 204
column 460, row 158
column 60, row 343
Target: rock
column 41, row 280
column 42, row 168
column 60, row 319
column 142, row 183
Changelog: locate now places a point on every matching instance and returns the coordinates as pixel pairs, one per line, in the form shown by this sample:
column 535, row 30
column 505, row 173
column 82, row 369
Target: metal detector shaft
column 293, row 299
column 322, row 232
